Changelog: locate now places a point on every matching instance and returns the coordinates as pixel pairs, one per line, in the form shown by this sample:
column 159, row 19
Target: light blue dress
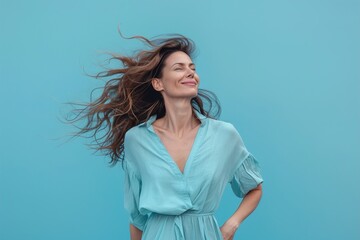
column 167, row 204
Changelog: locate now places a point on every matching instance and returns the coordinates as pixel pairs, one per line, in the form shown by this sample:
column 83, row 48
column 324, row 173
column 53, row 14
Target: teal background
column 286, row 72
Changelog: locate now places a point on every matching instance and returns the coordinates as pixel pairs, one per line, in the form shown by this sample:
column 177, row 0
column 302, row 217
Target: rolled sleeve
column 246, row 177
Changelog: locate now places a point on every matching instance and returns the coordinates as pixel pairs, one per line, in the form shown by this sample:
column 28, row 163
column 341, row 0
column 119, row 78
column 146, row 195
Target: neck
column 179, row 117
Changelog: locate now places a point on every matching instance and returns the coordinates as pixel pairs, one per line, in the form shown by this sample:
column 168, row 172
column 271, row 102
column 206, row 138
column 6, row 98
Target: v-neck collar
column 193, row 149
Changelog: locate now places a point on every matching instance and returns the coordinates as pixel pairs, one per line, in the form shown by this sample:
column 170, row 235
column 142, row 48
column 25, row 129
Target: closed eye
column 181, row 66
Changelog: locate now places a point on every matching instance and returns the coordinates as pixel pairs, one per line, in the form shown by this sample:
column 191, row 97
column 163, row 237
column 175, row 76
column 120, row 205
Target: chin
column 192, row 95
column 185, row 94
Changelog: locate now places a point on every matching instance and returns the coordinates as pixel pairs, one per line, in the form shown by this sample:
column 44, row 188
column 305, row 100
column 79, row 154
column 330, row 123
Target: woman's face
column 179, row 79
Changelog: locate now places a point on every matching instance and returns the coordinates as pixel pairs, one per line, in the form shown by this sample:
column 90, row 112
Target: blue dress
column 167, row 204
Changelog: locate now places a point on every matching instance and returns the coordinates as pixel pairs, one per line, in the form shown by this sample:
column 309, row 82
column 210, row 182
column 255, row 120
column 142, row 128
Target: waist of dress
column 185, row 220
column 187, row 213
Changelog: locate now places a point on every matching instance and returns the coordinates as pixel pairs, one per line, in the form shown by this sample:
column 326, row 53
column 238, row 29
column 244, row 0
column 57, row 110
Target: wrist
column 234, row 223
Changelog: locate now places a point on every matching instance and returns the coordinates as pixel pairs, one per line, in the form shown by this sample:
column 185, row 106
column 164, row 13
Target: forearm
column 135, row 233
column 247, row 206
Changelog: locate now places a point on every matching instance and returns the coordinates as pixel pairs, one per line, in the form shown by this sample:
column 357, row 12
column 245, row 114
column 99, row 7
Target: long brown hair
column 129, row 99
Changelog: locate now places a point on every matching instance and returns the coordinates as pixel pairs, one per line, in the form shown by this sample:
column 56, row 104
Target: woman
column 176, row 156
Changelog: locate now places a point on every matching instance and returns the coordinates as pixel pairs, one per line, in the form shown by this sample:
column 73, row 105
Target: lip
column 191, row 83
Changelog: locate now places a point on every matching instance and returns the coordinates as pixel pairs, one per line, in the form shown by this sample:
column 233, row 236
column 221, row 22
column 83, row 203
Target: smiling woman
column 176, row 156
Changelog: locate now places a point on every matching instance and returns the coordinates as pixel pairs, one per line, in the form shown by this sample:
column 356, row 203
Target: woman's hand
column 135, row 233
column 228, row 229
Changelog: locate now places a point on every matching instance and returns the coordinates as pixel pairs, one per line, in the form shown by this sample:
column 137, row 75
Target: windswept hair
column 129, row 99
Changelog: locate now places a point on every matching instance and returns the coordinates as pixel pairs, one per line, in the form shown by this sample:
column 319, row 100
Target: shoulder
column 225, row 132
column 222, row 126
column 136, row 138
column 230, row 139
column 135, row 132
column 134, row 141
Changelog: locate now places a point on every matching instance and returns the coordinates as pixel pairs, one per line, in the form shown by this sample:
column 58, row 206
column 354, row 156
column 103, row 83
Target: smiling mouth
column 192, row 83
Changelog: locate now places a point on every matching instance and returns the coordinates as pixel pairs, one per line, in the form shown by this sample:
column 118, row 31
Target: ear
column 157, row 84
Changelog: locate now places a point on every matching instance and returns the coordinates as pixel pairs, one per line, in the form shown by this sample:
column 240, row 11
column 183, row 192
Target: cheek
column 173, row 78
column 170, row 74
column 170, row 81
column 197, row 78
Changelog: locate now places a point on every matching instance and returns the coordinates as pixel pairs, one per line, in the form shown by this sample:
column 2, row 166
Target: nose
column 190, row 73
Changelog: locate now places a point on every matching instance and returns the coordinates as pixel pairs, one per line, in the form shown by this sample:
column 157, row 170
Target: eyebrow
column 183, row 64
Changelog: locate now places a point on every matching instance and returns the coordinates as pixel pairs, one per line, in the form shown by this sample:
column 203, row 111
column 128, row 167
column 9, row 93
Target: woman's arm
column 135, row 233
column 246, row 207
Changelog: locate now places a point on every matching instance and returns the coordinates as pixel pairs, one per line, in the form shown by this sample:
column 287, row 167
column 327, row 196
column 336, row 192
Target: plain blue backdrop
column 287, row 75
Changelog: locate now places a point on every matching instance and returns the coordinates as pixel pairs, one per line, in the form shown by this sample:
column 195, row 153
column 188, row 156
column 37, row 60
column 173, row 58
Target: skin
column 177, row 129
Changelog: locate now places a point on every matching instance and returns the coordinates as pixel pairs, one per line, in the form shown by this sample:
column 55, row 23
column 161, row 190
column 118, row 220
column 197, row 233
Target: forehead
column 178, row 57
